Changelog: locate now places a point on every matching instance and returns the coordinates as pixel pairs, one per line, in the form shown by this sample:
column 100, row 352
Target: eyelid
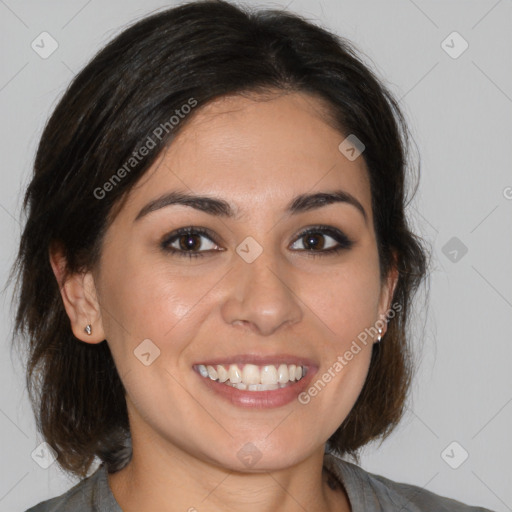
column 196, row 230
column 342, row 240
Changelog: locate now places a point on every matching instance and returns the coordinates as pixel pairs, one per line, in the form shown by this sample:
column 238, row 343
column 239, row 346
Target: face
column 261, row 289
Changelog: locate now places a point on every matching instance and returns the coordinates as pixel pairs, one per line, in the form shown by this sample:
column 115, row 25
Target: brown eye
column 314, row 241
column 324, row 240
column 190, row 242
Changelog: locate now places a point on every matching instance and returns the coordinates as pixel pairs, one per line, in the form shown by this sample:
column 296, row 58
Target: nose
column 261, row 295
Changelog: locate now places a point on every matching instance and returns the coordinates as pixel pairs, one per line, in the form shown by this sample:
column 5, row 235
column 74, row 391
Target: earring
column 380, row 335
column 88, row 329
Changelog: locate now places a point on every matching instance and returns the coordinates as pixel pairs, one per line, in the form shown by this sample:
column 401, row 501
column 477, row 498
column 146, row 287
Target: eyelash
column 343, row 241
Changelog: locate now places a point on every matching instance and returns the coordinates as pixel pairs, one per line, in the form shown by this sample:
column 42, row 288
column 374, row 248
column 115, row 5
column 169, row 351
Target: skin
column 257, row 155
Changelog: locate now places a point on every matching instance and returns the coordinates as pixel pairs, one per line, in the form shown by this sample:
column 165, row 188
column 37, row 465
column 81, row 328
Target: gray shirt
column 367, row 492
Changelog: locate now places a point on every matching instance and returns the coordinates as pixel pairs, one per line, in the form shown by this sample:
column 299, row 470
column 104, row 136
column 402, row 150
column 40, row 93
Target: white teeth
column 283, row 375
column 269, row 375
column 257, row 387
column 212, row 372
column 235, row 376
column 222, row 373
column 253, row 377
column 251, row 374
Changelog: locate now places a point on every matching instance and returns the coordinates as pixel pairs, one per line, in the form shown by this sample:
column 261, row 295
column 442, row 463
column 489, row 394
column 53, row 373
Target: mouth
column 252, row 377
column 259, row 382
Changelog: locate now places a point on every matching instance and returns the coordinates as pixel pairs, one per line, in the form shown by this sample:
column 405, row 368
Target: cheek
column 147, row 301
column 345, row 300
column 347, row 304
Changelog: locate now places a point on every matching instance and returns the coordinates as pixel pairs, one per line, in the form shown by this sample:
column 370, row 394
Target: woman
column 216, row 271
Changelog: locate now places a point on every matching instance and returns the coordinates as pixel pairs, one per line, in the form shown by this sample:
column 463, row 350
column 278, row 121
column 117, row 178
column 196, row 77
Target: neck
column 170, row 480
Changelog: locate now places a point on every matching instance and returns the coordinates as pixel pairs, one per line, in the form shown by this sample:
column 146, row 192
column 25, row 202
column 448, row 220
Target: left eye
column 315, row 241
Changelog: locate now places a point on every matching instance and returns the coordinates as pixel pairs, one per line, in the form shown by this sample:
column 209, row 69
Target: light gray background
column 460, row 111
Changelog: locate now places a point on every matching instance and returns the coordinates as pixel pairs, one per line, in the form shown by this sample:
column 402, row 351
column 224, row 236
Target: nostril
column 239, row 322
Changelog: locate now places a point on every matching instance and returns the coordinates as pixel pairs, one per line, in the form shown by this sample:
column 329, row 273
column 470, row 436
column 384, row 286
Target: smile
column 251, row 377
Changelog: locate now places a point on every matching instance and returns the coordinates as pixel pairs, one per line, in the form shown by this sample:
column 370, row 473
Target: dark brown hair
column 201, row 51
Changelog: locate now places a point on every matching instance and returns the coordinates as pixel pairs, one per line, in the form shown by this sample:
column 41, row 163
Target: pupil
column 189, row 243
column 312, row 241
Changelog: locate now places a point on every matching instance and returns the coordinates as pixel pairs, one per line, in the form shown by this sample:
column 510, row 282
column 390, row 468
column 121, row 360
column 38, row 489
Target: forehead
column 257, row 153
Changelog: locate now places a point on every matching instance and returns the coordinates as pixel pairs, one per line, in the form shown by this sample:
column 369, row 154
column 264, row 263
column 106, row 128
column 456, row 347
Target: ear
column 387, row 291
column 78, row 293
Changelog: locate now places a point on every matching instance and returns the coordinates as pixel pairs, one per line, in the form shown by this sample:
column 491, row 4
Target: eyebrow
column 221, row 208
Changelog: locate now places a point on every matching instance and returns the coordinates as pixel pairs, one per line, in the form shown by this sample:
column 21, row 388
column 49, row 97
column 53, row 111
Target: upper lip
column 260, row 360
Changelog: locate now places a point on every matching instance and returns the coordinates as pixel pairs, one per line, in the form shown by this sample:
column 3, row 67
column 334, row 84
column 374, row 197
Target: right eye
column 187, row 242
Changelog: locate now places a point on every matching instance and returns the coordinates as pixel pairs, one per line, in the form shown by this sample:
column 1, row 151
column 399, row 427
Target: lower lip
column 260, row 399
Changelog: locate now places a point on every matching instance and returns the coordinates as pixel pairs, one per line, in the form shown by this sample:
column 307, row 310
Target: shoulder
column 82, row 497
column 423, row 499
column 367, row 490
